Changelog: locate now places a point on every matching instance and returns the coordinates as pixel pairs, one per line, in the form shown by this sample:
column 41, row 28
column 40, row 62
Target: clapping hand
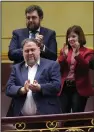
column 26, row 85
column 35, row 86
column 25, row 89
column 65, row 50
column 39, row 39
column 76, row 48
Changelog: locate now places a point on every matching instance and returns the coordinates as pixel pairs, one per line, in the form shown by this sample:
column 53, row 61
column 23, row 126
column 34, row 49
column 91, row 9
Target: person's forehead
column 30, row 44
column 32, row 13
column 73, row 33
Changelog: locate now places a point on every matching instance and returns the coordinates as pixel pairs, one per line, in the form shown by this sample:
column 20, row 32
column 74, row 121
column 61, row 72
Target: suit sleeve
column 11, row 88
column 51, row 50
column 15, row 53
column 52, row 88
column 83, row 62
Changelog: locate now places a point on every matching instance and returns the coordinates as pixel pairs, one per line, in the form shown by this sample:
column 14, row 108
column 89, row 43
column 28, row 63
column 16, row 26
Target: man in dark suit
column 34, row 83
column 46, row 37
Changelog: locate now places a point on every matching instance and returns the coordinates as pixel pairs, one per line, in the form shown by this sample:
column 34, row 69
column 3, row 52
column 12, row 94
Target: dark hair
column 78, row 30
column 34, row 8
column 29, row 40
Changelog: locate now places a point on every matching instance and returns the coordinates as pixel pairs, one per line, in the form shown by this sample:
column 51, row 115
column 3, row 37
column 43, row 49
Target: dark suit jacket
column 15, row 50
column 48, row 76
column 82, row 77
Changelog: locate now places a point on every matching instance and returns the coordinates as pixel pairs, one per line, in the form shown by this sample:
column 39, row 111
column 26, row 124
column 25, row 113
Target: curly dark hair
column 35, row 8
column 29, row 40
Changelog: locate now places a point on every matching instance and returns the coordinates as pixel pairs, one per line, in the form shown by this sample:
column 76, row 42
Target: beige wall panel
column 57, row 15
column 5, row 44
column 90, row 41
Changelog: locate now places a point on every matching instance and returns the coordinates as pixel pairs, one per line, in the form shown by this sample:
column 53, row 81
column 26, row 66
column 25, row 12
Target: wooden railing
column 54, row 123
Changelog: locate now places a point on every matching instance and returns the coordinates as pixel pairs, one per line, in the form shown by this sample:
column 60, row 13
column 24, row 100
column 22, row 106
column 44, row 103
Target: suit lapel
column 69, row 57
column 26, row 33
column 82, row 50
column 24, row 72
column 41, row 31
column 39, row 70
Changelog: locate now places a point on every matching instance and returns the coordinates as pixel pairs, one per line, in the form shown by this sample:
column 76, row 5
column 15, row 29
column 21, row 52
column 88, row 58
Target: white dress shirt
column 29, row 107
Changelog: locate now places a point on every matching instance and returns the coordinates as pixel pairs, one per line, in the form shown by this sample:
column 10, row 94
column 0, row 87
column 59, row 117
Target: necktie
column 32, row 34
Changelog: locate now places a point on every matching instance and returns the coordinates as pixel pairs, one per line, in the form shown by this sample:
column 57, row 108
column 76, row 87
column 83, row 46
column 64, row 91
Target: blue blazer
column 15, row 50
column 48, row 76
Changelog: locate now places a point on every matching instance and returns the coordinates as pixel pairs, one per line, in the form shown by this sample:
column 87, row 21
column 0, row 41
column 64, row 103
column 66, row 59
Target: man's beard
column 31, row 63
column 33, row 28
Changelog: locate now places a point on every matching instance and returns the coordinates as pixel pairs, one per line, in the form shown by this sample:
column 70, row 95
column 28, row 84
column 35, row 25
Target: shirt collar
column 38, row 30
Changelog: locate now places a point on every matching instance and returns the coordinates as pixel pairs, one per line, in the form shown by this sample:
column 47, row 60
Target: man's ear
column 41, row 18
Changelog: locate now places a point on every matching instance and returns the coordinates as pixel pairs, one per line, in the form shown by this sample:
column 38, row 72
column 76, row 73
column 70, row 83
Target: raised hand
column 35, row 86
column 76, row 47
column 25, row 89
column 65, row 50
column 26, row 85
column 39, row 38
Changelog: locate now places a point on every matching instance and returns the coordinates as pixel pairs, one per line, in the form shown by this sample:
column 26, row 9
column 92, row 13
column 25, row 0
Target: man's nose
column 30, row 52
column 30, row 19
